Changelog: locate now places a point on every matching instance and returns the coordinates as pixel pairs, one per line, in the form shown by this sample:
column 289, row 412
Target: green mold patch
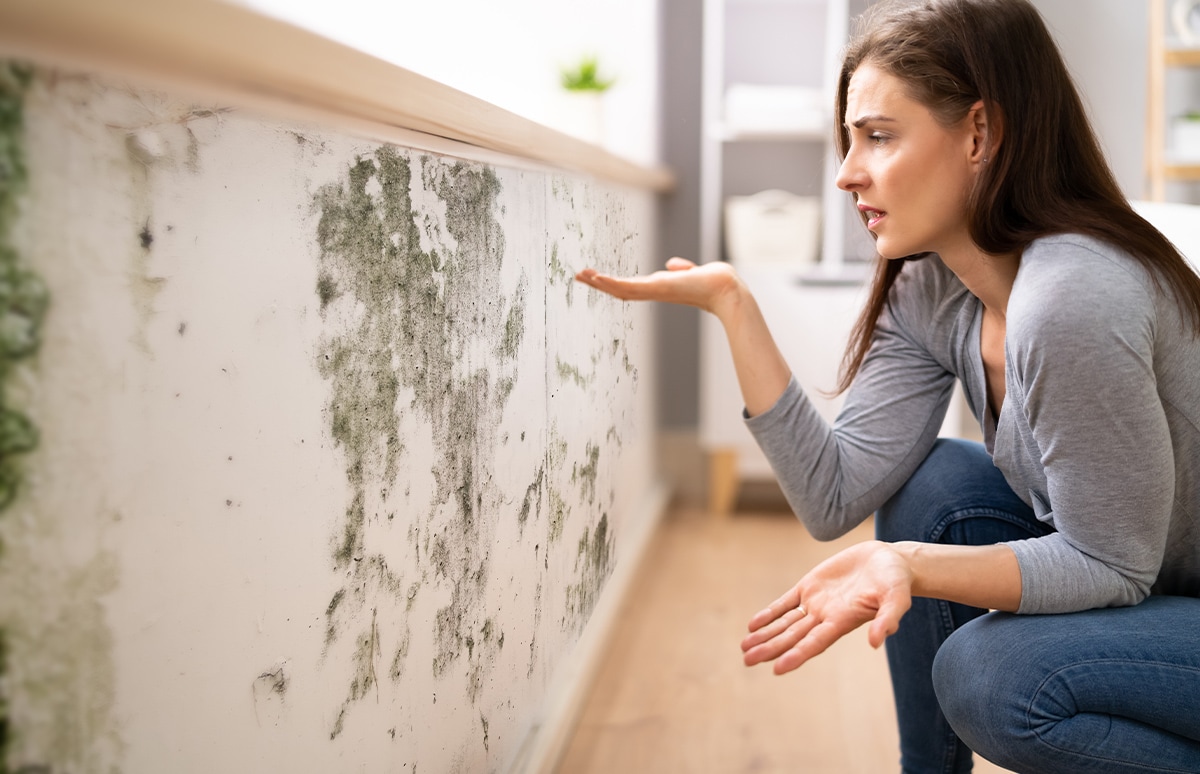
column 559, row 510
column 593, row 565
column 571, row 373
column 424, row 329
column 585, row 475
column 559, row 275
column 23, row 302
column 533, row 499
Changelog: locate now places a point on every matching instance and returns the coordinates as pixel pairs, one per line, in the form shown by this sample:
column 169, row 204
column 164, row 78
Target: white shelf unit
column 811, row 321
column 1163, row 164
column 717, row 135
column 810, row 311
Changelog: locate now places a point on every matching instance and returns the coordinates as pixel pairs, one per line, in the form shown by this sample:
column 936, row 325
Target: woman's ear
column 985, row 131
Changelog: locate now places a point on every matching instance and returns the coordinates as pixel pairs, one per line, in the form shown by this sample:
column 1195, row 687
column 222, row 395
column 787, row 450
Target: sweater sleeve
column 834, row 477
column 1080, row 354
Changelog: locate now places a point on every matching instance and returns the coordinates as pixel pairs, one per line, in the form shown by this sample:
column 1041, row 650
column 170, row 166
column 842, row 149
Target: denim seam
column 943, row 607
column 939, row 527
column 1033, row 698
column 942, row 524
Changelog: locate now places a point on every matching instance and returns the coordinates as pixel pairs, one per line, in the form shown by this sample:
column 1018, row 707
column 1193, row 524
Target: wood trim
column 252, row 60
column 1189, row 171
column 1182, row 57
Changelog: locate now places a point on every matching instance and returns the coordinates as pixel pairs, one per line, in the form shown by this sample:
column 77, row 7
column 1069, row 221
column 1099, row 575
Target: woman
column 1010, row 261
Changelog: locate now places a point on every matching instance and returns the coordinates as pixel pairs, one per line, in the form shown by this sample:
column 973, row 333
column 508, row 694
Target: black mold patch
column 418, row 296
column 269, row 691
column 585, row 474
column 533, row 498
column 559, row 510
column 593, row 565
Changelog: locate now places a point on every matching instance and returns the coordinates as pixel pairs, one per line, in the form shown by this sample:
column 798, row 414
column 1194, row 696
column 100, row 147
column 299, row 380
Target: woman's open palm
column 866, row 583
column 706, row 286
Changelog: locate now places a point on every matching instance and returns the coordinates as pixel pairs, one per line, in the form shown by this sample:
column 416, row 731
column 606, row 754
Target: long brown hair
column 1046, row 175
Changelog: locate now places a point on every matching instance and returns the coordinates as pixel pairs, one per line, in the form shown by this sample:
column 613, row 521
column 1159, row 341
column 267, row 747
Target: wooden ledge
column 252, row 59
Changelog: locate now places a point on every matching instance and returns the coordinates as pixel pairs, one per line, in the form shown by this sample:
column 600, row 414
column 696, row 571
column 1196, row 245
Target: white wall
column 1106, row 48
column 336, row 460
column 509, row 52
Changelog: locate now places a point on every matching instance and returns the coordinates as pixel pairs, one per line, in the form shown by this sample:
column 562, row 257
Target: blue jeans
column 1113, row 690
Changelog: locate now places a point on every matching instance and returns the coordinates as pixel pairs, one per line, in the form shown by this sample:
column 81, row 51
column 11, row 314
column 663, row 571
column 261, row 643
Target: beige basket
column 772, row 227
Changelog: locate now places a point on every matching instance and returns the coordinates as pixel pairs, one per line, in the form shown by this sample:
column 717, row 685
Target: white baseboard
column 551, row 732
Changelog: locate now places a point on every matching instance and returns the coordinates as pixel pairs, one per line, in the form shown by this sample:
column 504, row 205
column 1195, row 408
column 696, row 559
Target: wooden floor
column 673, row 695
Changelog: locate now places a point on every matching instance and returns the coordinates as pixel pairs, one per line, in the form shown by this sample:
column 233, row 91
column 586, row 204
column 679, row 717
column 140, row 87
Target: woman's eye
column 877, row 139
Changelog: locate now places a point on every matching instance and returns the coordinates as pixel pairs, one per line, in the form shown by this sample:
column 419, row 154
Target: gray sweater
column 1099, row 432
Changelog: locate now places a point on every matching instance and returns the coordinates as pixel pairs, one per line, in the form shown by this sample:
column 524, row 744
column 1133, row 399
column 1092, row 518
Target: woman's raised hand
column 713, row 287
column 868, row 582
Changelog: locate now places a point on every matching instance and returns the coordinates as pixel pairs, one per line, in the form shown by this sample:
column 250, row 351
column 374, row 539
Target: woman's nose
column 850, row 176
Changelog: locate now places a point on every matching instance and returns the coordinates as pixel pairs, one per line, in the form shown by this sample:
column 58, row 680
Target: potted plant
column 585, row 77
column 583, row 104
column 1185, row 140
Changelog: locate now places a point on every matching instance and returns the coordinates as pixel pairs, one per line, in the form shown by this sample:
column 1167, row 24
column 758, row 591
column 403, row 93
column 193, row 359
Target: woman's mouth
column 873, row 215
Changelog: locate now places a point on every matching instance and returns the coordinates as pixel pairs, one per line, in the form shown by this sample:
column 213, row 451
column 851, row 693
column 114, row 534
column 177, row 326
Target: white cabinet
column 811, row 324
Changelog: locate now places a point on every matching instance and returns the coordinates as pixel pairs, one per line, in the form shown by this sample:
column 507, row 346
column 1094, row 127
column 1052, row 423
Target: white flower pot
column 1185, row 139
column 581, row 113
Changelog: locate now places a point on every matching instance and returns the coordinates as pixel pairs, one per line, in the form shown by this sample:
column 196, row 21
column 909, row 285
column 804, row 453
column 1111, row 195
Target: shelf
column 1164, row 53
column 1182, row 170
column 847, row 274
column 726, row 133
column 777, row 2
column 221, row 51
column 1182, row 57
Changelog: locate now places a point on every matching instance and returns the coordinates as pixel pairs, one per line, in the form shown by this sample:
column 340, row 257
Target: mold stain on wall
column 23, row 303
column 593, row 565
column 590, row 226
column 415, row 288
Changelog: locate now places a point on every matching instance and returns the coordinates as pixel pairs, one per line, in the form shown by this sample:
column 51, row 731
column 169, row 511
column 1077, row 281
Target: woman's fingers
column 624, row 288
column 682, row 282
column 789, row 632
column 868, row 583
column 789, row 601
column 773, row 629
column 887, row 620
column 814, row 644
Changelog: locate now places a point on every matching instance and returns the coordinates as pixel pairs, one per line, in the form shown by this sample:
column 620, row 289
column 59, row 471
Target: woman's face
column 909, row 174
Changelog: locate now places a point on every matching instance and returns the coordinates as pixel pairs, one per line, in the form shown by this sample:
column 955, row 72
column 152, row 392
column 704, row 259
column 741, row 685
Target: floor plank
column 673, row 695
